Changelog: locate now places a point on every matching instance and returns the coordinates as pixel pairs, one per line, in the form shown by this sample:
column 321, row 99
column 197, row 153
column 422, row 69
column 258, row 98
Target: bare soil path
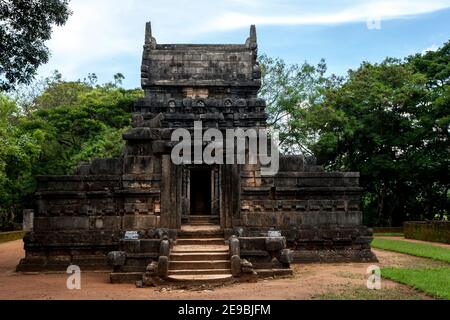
column 310, row 281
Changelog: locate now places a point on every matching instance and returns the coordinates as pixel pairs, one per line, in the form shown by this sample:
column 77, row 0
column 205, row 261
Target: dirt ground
column 311, row 281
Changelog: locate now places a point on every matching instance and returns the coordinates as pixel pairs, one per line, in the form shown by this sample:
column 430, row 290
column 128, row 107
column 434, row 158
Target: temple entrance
column 200, row 192
column 200, row 195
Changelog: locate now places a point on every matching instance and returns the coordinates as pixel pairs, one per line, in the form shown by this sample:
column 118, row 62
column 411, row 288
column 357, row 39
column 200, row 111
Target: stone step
column 201, row 279
column 199, row 272
column 201, row 241
column 89, row 260
column 200, row 231
column 198, row 256
column 274, row 272
column 201, row 265
column 125, row 277
column 194, row 218
column 200, row 234
column 133, row 269
column 200, row 249
column 203, row 220
column 202, row 223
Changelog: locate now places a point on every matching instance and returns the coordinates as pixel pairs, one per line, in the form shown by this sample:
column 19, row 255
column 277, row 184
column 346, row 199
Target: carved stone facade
column 80, row 219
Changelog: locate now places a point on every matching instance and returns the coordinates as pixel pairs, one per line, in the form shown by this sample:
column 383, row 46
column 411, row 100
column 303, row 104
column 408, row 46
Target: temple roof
column 200, row 65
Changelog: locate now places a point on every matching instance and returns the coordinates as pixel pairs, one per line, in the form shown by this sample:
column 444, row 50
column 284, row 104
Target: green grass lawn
column 434, row 282
column 11, row 236
column 415, row 249
column 389, row 234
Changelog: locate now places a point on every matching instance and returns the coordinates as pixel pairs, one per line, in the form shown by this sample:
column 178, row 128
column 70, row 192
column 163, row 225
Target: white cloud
column 383, row 10
column 433, row 47
column 101, row 29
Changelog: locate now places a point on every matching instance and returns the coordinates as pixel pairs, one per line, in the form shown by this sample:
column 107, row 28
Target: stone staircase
column 200, row 254
column 200, row 220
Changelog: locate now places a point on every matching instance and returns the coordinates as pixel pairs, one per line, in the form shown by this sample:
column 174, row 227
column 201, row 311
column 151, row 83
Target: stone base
column 330, row 256
column 266, row 273
column 61, row 263
column 126, row 277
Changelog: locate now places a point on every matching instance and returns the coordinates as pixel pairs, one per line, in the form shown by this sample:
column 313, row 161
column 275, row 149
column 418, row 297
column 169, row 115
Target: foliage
column 412, row 248
column 67, row 123
column 24, row 28
column 289, row 90
column 90, row 125
column 435, row 282
column 18, row 152
column 389, row 121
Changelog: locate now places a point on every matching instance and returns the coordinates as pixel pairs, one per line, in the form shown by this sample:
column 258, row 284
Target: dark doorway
column 200, row 191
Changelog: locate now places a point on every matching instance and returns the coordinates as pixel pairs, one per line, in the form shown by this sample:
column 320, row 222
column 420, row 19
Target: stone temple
column 143, row 217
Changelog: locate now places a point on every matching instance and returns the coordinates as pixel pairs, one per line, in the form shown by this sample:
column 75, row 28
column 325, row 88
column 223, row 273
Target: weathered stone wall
column 318, row 212
column 180, row 70
column 80, row 218
column 435, row 231
column 75, row 217
column 198, row 65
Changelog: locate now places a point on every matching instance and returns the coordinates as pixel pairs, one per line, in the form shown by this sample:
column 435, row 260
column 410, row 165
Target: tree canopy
column 390, row 121
column 69, row 122
column 24, row 27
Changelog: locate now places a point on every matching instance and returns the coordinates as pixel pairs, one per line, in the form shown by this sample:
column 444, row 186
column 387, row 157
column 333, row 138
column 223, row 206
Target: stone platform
column 199, row 255
column 83, row 219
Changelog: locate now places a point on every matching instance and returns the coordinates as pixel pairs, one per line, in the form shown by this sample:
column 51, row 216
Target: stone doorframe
column 175, row 194
column 186, row 185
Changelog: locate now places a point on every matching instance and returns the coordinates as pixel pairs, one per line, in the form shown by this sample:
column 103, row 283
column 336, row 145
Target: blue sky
column 106, row 36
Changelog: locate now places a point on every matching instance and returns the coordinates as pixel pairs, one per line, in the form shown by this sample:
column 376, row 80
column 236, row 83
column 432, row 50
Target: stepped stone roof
column 200, row 65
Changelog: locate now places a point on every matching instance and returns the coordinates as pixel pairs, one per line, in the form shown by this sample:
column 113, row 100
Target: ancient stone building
column 301, row 214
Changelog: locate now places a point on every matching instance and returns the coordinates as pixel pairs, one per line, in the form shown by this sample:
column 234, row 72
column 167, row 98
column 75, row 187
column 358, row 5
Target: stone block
column 163, row 267
column 105, row 223
column 130, row 246
column 235, row 249
column 246, row 266
column 117, row 258
column 150, row 245
column 252, row 243
column 28, row 220
column 164, row 249
column 275, row 244
column 61, row 223
column 106, row 166
column 139, row 222
column 286, row 257
column 236, row 266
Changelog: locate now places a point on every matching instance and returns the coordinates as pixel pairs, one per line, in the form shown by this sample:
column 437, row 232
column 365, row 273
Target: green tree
column 391, row 123
column 19, row 151
column 69, row 122
column 288, row 91
column 24, row 28
column 81, row 122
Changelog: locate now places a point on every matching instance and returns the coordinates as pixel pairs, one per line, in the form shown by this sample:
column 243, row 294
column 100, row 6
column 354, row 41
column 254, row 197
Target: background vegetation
column 49, row 134
column 390, row 121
